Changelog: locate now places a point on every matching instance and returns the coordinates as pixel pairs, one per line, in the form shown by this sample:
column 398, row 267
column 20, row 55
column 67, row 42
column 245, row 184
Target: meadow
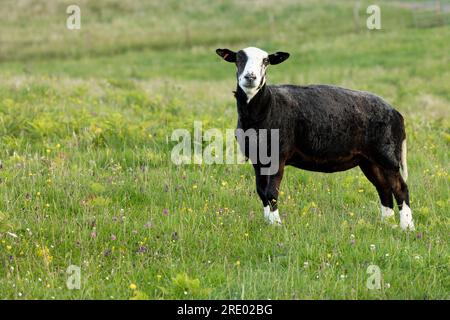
column 86, row 177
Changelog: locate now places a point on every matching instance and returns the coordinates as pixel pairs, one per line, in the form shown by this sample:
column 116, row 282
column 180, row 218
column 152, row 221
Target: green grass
column 86, row 176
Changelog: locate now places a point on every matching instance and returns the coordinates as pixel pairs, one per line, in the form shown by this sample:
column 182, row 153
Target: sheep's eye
column 266, row 61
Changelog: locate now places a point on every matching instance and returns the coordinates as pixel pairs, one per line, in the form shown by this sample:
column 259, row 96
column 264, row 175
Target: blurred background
column 407, row 59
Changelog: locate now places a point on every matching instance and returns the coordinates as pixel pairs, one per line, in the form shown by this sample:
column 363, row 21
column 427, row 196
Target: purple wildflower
column 142, row 249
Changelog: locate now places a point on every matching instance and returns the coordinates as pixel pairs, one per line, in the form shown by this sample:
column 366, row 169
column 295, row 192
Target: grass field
column 86, row 177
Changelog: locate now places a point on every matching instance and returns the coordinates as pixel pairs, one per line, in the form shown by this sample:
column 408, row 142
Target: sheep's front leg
column 261, row 185
column 272, row 190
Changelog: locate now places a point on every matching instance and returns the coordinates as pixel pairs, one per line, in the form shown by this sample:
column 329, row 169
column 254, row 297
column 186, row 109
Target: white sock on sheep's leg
column 274, row 218
column 266, row 212
column 406, row 220
column 386, row 213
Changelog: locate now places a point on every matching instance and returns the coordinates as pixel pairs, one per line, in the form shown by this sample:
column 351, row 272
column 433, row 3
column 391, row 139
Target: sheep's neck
column 254, row 111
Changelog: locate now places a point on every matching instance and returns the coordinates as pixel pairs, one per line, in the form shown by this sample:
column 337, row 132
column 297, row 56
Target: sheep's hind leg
column 401, row 195
column 375, row 174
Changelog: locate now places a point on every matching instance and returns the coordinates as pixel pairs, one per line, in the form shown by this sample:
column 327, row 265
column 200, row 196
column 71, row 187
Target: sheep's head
column 251, row 66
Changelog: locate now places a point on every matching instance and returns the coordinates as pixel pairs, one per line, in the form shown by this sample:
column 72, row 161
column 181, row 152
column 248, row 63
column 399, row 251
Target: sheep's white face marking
column 252, row 64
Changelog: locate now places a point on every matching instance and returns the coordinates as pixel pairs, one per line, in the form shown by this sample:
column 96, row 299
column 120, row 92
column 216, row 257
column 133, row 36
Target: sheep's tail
column 403, row 165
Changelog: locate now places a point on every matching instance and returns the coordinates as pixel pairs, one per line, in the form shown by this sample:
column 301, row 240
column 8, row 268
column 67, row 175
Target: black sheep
column 321, row 128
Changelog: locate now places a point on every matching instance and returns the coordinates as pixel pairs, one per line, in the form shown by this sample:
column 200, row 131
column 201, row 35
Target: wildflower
column 165, row 211
column 133, row 286
column 372, row 247
column 93, row 234
column 142, row 249
column 329, row 255
column 194, row 186
column 237, row 263
column 113, row 237
column 44, row 252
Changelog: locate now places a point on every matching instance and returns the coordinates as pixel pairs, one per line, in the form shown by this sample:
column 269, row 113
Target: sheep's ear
column 227, row 55
column 278, row 57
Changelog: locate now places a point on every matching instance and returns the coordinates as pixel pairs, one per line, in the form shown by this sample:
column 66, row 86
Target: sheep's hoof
column 277, row 224
column 407, row 225
column 406, row 219
column 274, row 218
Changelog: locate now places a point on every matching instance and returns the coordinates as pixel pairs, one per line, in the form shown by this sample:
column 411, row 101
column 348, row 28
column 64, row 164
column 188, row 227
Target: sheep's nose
column 250, row 77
